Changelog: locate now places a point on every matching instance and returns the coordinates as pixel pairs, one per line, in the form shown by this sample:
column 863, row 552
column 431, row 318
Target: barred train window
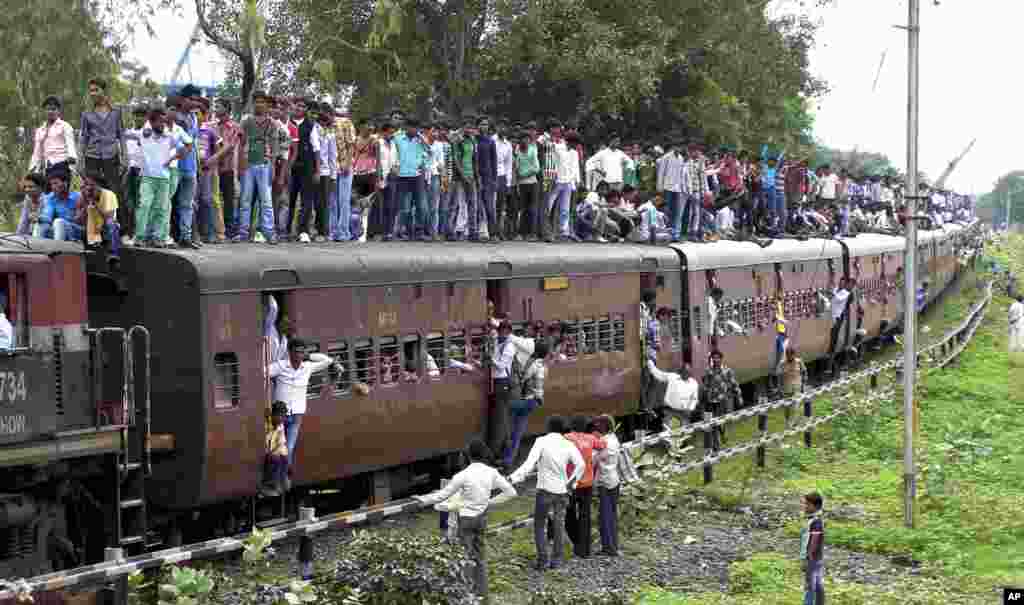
column 698, row 322
column 317, row 380
column 436, row 352
column 457, row 346
column 341, row 377
column 675, row 329
column 619, row 325
column 605, row 334
column 226, row 392
column 365, row 362
column 588, row 337
column 390, row 361
column 570, row 339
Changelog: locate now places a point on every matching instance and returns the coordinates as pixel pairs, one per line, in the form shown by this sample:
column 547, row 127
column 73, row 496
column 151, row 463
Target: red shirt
column 586, row 443
column 293, row 133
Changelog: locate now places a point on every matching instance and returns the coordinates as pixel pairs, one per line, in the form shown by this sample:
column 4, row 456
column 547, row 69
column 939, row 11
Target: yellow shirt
column 106, row 204
column 277, row 445
column 780, row 318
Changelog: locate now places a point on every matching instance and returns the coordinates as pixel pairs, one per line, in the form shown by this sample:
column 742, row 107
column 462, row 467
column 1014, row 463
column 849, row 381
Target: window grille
column 226, row 390
column 341, row 375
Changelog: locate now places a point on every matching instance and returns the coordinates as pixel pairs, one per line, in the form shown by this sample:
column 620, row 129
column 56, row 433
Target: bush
column 576, row 597
column 401, row 568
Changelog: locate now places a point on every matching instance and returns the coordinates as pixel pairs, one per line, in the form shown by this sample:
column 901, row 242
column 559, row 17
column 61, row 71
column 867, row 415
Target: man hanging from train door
column 291, row 379
column 504, row 368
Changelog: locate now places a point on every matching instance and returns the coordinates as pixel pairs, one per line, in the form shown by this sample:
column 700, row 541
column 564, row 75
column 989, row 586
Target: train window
column 570, row 339
column 365, row 362
column 675, row 329
column 605, row 334
column 588, row 337
column 390, row 361
column 413, row 358
column 13, row 298
column 318, row 379
column 479, row 346
column 340, row 376
column 435, row 362
column 619, row 325
column 457, row 349
column 226, row 391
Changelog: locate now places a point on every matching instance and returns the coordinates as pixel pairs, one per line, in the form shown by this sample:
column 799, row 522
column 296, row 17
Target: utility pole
column 910, row 267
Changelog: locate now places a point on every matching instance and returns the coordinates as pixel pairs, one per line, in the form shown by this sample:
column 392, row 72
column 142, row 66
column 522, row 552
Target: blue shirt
column 413, row 155
column 187, row 164
column 487, row 158
column 55, row 207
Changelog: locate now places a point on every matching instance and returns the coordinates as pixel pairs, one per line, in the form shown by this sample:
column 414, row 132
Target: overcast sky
column 968, row 87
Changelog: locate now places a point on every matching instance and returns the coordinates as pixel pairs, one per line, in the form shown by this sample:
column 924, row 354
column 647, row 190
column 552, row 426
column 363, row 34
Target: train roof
column 868, row 244
column 240, row 267
column 727, row 254
column 20, row 244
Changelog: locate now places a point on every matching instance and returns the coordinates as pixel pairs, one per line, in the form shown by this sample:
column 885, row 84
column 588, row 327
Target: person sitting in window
column 6, row 329
column 32, row 206
column 100, row 207
column 275, row 468
column 59, row 217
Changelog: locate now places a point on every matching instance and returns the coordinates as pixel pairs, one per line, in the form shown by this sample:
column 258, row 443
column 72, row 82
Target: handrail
column 108, row 570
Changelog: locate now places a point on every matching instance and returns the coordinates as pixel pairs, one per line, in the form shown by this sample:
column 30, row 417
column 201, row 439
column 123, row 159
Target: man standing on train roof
column 721, row 391
column 291, row 378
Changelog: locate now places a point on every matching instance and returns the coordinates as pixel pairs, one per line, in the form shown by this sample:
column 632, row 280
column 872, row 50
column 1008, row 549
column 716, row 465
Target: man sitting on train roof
column 58, row 219
column 99, row 206
column 32, row 206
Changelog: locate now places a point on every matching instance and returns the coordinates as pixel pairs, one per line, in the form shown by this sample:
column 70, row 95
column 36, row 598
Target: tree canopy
column 722, row 70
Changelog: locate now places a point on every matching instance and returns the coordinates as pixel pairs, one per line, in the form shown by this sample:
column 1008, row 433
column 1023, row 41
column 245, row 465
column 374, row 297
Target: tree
column 992, row 205
column 239, row 31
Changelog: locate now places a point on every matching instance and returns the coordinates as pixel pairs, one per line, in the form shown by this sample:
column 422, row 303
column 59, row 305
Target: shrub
column 400, row 568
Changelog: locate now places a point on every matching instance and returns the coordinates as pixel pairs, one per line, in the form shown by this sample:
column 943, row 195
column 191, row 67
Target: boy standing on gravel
column 812, row 549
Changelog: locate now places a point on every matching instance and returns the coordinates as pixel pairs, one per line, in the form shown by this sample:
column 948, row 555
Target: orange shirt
column 586, row 443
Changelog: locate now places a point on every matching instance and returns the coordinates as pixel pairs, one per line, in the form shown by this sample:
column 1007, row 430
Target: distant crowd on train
column 186, row 173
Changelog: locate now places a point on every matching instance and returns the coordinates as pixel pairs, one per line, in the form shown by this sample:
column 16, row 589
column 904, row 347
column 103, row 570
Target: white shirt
column 606, row 463
column 725, row 219
column 827, row 186
column 387, row 156
column 671, row 170
column 1016, row 315
column 504, row 149
column 610, row 162
column 437, row 159
column 157, row 150
column 7, row 334
column 290, row 384
column 840, row 296
column 502, row 355
column 568, row 171
column 524, row 348
column 681, row 395
column 54, row 143
column 551, row 455
column 133, row 147
column 474, row 484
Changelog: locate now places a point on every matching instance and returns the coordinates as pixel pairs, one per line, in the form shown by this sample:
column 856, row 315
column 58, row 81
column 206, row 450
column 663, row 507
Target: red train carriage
column 371, row 305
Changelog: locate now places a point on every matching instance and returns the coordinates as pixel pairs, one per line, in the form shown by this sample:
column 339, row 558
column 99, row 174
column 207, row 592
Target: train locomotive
column 159, row 368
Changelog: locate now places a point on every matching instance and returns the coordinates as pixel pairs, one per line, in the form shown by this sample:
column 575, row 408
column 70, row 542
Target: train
column 134, row 400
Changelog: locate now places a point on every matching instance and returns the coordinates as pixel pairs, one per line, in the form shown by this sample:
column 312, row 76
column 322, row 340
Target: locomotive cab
column 65, row 412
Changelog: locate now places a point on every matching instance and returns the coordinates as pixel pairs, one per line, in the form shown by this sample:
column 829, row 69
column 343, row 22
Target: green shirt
column 466, row 149
column 261, row 139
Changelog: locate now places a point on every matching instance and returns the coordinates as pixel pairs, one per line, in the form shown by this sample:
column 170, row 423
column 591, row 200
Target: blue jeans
column 183, row 199
column 341, row 213
column 562, row 192
column 519, row 418
column 256, row 183
column 814, row 583
column 691, row 215
column 437, row 212
column 844, row 219
column 608, row 518
column 292, row 424
column 64, row 231
column 206, row 222
column 674, row 203
column 412, row 208
column 488, row 203
column 775, row 201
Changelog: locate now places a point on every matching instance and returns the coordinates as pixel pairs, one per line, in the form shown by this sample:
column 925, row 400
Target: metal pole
column 910, row 264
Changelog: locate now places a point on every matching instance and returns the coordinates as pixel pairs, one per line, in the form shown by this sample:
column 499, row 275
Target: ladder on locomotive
column 132, row 464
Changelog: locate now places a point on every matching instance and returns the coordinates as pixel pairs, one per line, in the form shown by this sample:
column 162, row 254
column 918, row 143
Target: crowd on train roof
column 185, row 173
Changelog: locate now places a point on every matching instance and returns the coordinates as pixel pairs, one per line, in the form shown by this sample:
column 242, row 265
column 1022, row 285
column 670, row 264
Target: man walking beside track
column 551, row 455
column 475, row 484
